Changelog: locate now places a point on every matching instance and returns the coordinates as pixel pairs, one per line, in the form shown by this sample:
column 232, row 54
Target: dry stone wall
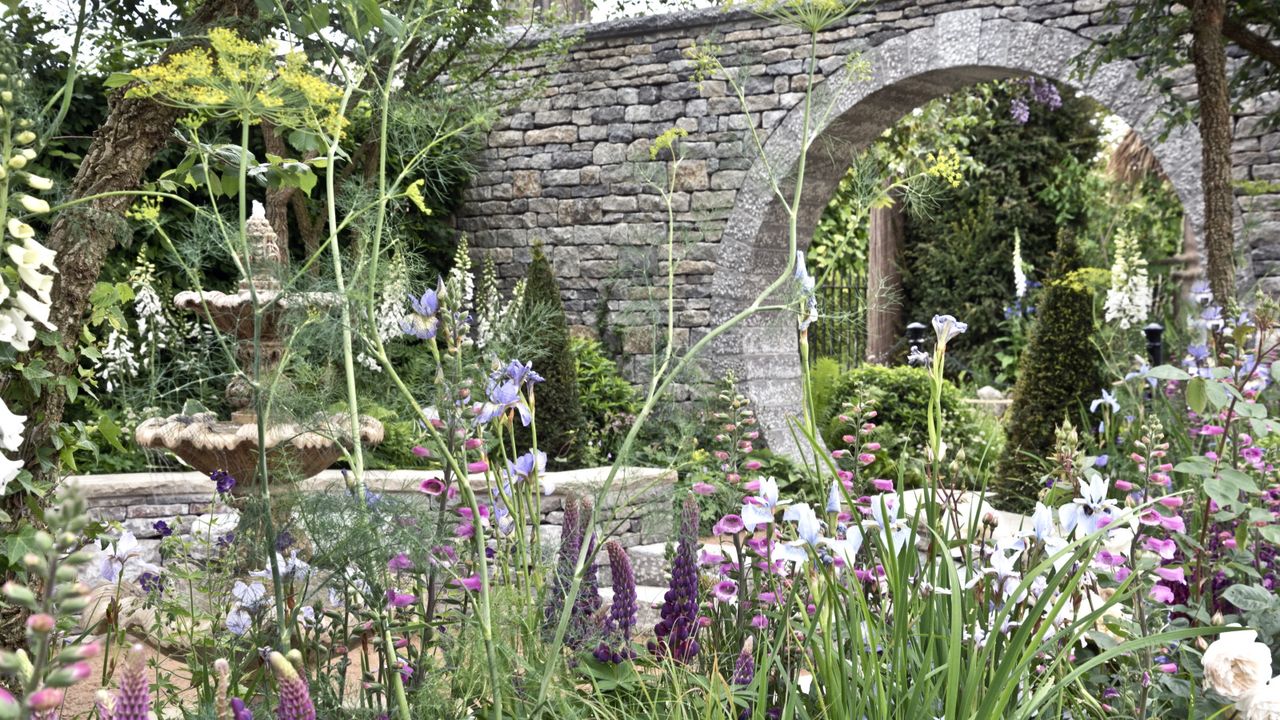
column 571, row 167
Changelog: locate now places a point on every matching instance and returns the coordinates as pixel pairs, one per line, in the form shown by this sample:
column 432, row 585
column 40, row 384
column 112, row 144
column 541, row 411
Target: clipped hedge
column 1058, row 373
column 900, row 396
column 559, row 412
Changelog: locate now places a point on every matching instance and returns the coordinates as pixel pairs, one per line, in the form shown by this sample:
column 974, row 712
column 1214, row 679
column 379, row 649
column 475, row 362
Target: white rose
column 1236, row 663
column 1263, row 703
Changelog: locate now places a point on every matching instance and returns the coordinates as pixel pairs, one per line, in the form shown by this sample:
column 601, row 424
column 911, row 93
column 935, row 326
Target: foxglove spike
column 295, row 699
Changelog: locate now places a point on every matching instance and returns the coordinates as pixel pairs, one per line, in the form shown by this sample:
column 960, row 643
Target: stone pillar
column 884, row 281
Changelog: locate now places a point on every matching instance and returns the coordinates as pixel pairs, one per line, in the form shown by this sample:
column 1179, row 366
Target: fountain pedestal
column 295, row 449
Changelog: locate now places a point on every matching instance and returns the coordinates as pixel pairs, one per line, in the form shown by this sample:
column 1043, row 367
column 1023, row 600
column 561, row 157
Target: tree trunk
column 277, row 205
column 885, row 233
column 134, row 132
column 1209, row 55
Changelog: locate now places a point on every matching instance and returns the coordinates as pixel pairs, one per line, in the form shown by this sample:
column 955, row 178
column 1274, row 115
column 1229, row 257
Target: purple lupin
column 584, row 622
column 616, row 645
column 133, row 701
column 679, row 624
column 295, row 699
column 567, row 559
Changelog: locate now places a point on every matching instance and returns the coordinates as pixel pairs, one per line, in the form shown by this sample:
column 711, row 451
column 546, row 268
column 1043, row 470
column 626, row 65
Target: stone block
column 552, row 135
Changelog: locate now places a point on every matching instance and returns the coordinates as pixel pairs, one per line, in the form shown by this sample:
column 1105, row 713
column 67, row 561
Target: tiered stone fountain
column 296, row 449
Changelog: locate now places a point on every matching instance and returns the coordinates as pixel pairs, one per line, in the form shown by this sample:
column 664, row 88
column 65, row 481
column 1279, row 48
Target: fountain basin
column 294, row 451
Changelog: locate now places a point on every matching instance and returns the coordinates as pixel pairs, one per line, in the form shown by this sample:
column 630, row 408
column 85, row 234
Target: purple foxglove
column 295, row 699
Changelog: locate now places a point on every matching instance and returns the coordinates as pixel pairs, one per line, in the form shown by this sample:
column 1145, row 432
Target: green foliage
column 609, row 402
column 824, row 376
column 970, row 233
column 559, row 408
column 900, row 396
column 1058, row 373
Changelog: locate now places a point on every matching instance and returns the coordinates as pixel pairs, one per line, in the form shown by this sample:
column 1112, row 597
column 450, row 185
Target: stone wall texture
column 571, row 167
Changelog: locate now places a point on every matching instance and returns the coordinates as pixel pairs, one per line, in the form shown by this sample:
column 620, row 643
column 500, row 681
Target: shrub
column 559, row 409
column 608, row 401
column 1057, row 374
column 900, row 397
column 824, row 375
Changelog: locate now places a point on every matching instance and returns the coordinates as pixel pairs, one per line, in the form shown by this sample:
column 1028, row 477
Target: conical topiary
column 558, row 410
column 1057, row 374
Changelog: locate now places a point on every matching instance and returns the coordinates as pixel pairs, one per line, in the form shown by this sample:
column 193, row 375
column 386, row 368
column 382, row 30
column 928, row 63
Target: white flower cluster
column 1129, row 297
column 1019, row 272
column 391, row 309
column 25, row 305
column 122, row 357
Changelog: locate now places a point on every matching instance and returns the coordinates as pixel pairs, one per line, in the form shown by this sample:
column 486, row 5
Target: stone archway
column 960, row 49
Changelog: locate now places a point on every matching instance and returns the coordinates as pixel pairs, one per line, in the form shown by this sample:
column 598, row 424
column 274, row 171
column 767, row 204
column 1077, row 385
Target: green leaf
column 110, row 432
column 1167, row 372
column 231, row 184
column 117, row 79
column 1218, row 394
column 1270, row 533
column 1196, row 398
column 1240, row 479
column 1249, row 598
column 1194, row 466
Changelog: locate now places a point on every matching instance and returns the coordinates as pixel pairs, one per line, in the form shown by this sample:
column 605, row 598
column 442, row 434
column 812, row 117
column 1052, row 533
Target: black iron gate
column 840, row 332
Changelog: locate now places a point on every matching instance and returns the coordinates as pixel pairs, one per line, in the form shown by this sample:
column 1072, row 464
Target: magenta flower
column 471, row 583
column 478, row 466
column 1161, row 593
column 702, row 488
column 725, row 590
column 1172, row 574
column 759, row 622
column 432, row 486
column 882, row 485
column 398, row 599
column 730, row 524
column 1164, row 548
column 399, row 562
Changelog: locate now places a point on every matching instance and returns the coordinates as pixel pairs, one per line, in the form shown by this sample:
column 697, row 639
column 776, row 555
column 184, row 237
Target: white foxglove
column 33, row 204
column 20, row 230
column 1129, row 297
column 11, row 428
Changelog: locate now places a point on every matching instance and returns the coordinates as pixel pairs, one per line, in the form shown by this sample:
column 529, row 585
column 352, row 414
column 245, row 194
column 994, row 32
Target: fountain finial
column 265, row 255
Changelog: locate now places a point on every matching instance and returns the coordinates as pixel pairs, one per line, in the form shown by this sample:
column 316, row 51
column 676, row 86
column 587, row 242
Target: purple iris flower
column 422, row 323
column 521, row 373
column 526, row 465
column 162, row 528
column 503, row 397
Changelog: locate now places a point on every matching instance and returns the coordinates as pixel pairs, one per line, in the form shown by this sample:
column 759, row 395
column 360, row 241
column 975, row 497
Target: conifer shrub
column 1057, row 374
column 559, row 410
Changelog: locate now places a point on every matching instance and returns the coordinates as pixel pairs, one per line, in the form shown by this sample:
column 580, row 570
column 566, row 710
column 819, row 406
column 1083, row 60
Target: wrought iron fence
column 840, row 332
